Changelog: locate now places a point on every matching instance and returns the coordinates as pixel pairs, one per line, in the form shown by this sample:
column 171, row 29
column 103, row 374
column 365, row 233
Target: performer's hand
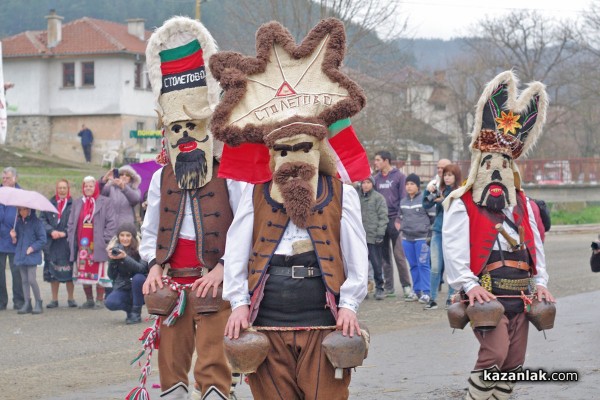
column 480, row 294
column 212, row 279
column 544, row 293
column 153, row 280
column 29, row 250
column 237, row 321
column 55, row 235
column 347, row 322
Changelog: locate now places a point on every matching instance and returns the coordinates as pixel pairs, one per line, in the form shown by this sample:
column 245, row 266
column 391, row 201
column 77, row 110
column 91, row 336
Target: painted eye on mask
column 283, row 153
column 504, row 164
column 488, row 164
column 176, row 128
column 306, row 150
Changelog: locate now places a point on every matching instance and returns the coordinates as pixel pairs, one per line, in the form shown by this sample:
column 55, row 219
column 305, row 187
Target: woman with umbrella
column 30, row 237
column 91, row 226
column 58, row 268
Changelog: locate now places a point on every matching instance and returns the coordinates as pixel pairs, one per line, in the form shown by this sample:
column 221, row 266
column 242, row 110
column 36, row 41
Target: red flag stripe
column 192, row 61
column 351, row 153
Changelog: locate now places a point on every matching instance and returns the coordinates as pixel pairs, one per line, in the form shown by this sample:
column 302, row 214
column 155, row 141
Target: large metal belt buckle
column 203, row 271
column 294, row 267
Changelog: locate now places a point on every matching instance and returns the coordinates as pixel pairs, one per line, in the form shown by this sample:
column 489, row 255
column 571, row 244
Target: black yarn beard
column 494, row 203
column 191, row 169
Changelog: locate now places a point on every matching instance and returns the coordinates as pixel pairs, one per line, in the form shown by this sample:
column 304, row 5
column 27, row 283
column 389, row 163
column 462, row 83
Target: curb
column 582, row 228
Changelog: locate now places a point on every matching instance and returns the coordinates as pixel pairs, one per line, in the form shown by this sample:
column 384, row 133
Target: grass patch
column 43, row 180
column 588, row 215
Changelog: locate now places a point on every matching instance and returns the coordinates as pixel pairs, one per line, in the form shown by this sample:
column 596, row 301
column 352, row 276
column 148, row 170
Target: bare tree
column 537, row 48
column 371, row 25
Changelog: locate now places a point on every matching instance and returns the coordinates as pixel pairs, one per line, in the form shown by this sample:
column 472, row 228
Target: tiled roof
column 82, row 36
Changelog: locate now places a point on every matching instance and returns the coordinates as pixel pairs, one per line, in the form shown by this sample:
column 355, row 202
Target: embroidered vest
column 271, row 220
column 483, row 233
column 211, row 212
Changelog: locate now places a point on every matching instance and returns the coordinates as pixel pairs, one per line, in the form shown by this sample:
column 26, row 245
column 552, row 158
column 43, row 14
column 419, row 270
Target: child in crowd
column 414, row 226
column 128, row 273
column 30, row 237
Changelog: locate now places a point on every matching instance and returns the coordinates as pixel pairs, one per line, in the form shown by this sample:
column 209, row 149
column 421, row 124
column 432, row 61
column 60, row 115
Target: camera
column 115, row 251
column 432, row 196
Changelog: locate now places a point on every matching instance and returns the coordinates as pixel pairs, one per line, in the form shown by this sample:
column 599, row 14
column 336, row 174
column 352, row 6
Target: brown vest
column 211, row 212
column 271, row 220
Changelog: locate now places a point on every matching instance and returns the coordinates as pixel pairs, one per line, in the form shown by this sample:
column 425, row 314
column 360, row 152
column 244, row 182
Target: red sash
column 184, row 256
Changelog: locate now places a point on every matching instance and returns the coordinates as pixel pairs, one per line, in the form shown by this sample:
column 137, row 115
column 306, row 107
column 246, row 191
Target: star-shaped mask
column 284, row 84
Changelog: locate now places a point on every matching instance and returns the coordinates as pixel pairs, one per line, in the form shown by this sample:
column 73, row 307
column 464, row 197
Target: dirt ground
column 70, row 353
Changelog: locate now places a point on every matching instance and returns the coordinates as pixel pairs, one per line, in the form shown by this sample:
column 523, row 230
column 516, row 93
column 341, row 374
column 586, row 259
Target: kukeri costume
column 475, row 253
column 189, row 211
column 296, row 249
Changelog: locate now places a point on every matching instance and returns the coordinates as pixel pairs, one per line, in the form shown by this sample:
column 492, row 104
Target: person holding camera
column 595, row 259
column 121, row 187
column 128, row 273
column 433, row 196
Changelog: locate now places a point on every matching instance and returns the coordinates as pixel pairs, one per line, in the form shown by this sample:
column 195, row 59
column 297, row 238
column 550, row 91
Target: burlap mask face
column 190, row 146
column 494, row 186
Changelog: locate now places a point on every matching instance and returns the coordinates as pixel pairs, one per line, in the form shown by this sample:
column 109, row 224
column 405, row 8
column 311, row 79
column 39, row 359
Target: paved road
column 70, row 354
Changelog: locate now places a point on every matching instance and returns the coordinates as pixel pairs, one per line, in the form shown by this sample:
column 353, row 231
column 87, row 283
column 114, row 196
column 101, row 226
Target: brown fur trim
column 231, row 69
column 318, row 131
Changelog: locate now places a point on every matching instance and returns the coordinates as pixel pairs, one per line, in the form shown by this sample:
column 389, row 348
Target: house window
column 148, row 84
column 138, row 75
column 140, row 127
column 68, row 74
column 87, row 72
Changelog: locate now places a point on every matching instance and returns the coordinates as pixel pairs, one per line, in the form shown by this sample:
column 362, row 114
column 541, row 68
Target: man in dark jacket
column 375, row 221
column 8, row 215
column 87, row 138
column 389, row 181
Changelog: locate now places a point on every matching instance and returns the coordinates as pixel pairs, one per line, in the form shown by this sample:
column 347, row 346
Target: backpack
column 544, row 214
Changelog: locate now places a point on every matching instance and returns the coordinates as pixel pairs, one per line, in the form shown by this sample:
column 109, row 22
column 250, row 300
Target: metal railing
column 534, row 171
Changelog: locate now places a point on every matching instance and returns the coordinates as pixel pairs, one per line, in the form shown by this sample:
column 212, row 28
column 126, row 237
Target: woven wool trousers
column 203, row 333
column 504, row 346
column 297, row 368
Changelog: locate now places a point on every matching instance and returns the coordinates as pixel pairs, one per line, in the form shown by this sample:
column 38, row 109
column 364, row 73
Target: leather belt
column 295, row 271
column 508, row 263
column 187, row 272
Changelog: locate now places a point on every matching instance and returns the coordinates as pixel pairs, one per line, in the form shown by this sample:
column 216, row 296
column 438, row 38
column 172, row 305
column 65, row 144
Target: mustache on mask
column 494, row 203
column 188, row 139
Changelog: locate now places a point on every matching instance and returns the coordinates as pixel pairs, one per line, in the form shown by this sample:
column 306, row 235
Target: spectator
column 57, row 254
column 123, row 192
column 30, row 238
column 375, row 221
column 92, row 224
column 8, row 215
column 87, row 138
column 451, row 178
column 389, row 181
column 437, row 181
column 128, row 273
column 415, row 226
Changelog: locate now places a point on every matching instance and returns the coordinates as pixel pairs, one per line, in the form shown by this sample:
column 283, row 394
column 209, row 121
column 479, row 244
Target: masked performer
column 189, row 212
column 481, row 261
column 296, row 258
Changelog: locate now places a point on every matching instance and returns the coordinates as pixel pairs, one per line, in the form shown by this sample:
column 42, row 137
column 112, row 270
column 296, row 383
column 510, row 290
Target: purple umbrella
column 145, row 170
column 25, row 198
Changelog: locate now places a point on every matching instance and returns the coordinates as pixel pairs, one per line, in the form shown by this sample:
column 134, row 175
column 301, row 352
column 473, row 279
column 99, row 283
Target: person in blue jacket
column 30, row 237
column 8, row 214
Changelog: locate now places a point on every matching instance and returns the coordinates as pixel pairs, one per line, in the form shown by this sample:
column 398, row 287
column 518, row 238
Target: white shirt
column 353, row 246
column 151, row 220
column 456, row 246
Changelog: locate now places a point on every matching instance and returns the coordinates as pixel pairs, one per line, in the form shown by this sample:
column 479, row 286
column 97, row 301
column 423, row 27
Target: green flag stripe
column 180, row 52
column 339, row 126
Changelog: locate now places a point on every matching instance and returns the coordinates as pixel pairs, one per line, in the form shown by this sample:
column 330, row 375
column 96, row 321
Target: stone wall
column 58, row 135
column 29, row 131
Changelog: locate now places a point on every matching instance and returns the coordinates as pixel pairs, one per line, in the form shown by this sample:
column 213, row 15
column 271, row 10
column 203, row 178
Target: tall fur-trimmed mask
column 186, row 95
column 507, row 126
column 286, row 98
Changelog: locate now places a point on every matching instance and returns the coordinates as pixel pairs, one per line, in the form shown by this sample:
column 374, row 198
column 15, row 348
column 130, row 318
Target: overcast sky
column 450, row 18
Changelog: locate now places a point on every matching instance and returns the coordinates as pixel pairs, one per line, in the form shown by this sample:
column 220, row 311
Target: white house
column 87, row 71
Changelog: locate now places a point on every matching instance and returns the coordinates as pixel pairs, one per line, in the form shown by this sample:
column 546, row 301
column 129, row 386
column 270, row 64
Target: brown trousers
column 297, row 368
column 504, row 346
column 176, row 347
